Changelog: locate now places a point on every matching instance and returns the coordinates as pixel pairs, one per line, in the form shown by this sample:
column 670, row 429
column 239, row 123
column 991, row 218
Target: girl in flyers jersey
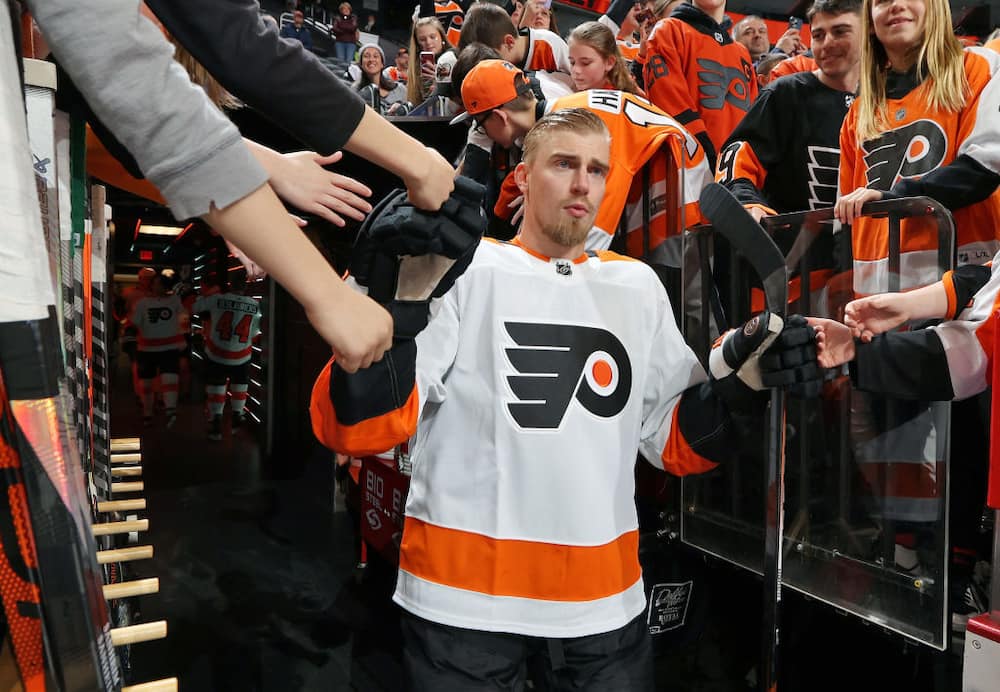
column 919, row 127
column 595, row 60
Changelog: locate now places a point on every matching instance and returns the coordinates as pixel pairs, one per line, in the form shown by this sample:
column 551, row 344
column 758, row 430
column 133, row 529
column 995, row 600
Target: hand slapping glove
column 407, row 256
column 767, row 352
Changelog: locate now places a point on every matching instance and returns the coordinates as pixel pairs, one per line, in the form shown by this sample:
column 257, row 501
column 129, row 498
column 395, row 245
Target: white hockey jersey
column 234, row 322
column 158, row 320
column 537, row 380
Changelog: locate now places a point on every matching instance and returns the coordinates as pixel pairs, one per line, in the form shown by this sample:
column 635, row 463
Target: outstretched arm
column 300, row 179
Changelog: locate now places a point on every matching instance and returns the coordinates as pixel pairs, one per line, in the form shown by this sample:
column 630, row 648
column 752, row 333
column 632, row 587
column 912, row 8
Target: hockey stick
column 752, row 242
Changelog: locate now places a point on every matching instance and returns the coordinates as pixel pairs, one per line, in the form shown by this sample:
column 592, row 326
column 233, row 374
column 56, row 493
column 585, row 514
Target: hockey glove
column 406, row 256
column 791, row 361
column 766, row 352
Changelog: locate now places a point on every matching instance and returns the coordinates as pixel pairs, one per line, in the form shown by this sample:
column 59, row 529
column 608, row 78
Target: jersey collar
column 579, row 260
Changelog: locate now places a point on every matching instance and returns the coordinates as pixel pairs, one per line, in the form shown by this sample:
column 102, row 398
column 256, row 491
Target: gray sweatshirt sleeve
column 125, row 69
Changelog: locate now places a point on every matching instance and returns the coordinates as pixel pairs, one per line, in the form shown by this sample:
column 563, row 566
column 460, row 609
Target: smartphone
column 427, row 58
column 794, row 23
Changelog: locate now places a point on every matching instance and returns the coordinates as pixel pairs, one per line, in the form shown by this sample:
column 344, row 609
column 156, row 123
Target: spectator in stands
column 595, row 61
column 698, row 74
column 369, row 27
column 400, row 71
column 783, row 156
column 751, row 31
column 516, row 11
column 377, row 90
column 427, row 37
column 538, row 15
column 529, row 49
column 344, row 32
column 626, row 19
column 298, row 31
column 766, row 65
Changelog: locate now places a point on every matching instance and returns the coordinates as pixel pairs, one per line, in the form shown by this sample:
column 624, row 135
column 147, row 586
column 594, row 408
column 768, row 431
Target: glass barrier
column 866, row 482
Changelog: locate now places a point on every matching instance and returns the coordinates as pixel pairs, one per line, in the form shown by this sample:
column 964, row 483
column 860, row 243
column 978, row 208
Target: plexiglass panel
column 866, row 482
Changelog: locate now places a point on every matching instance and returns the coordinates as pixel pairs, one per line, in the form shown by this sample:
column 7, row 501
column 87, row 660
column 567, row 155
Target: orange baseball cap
column 489, row 85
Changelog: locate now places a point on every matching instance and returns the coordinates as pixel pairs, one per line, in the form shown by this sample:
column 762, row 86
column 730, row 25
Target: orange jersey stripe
column 522, row 569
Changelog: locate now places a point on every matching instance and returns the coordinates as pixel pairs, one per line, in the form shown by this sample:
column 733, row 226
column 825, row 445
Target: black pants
column 151, row 362
column 219, row 373
column 441, row 658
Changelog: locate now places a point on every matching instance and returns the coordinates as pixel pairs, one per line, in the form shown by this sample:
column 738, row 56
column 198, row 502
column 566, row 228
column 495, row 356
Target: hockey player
column 540, row 372
column 234, row 323
column 142, row 288
column 157, row 318
column 696, row 73
column 496, row 94
column 924, row 124
column 784, row 155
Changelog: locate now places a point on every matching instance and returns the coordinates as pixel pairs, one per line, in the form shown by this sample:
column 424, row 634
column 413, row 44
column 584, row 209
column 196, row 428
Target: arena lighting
column 172, row 231
column 135, row 235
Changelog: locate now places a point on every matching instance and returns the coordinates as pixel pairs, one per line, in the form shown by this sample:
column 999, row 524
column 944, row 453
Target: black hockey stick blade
column 750, row 240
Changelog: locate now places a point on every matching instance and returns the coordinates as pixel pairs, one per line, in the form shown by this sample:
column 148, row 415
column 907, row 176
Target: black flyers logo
column 721, row 84
column 557, row 362
column 154, row 315
column 906, row 152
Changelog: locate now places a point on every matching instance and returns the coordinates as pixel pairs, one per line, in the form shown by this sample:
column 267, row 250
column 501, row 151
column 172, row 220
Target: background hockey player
column 521, row 533
column 157, row 317
column 234, row 323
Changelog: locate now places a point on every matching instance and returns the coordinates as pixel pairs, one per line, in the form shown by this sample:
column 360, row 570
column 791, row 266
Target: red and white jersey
column 537, row 379
column 233, row 323
column 158, row 319
column 546, row 51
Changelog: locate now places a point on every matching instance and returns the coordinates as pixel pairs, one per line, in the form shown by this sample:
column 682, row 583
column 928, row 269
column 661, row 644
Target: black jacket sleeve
column 962, row 182
column 279, row 78
column 903, row 365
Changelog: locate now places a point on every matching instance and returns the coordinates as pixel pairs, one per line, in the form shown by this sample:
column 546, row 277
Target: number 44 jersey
column 234, row 322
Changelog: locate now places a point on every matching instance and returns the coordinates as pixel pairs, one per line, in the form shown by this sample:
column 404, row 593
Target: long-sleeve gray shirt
column 125, row 70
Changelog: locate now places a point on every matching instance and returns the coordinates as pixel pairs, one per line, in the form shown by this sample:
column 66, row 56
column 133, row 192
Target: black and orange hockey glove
column 406, row 256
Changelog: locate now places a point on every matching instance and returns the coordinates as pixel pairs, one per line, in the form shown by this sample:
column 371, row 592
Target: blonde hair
column 577, row 120
column 415, row 91
column 940, row 68
column 600, row 38
column 217, row 94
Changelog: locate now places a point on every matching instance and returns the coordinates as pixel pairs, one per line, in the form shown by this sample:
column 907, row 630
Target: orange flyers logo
column 557, row 363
